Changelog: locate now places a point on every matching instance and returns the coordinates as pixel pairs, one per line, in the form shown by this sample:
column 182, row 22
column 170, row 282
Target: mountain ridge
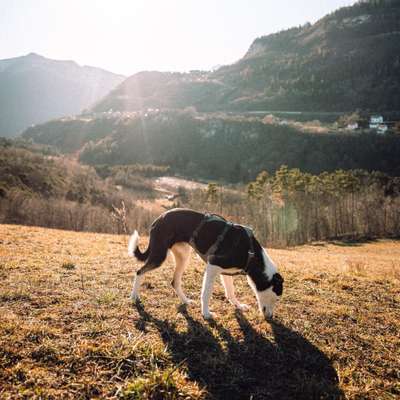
column 36, row 89
column 347, row 60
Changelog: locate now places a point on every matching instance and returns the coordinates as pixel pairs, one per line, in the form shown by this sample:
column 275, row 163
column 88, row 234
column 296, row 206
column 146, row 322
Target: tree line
column 285, row 207
column 293, row 207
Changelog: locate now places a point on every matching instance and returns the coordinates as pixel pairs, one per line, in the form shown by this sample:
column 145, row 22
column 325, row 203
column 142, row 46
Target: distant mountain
column 350, row 59
column 35, row 89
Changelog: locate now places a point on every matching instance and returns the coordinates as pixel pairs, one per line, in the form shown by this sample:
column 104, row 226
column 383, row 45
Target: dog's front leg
column 227, row 282
column 208, row 282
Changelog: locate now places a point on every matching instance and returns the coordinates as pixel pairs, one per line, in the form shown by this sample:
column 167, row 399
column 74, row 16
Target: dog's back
column 173, row 226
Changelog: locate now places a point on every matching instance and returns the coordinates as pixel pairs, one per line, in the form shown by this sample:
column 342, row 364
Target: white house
column 375, row 121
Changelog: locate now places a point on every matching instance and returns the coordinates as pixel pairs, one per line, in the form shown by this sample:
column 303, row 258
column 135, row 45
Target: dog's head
column 267, row 285
column 268, row 298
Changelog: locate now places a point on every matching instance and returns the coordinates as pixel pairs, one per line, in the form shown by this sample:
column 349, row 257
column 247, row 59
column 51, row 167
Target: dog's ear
column 277, row 284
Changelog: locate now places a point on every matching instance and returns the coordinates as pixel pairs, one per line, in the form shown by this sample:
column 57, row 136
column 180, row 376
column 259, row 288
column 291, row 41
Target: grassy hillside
column 56, row 191
column 68, row 329
column 347, row 60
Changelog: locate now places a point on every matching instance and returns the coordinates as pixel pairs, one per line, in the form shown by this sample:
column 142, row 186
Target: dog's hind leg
column 136, row 286
column 181, row 252
column 154, row 261
column 227, row 283
column 139, row 278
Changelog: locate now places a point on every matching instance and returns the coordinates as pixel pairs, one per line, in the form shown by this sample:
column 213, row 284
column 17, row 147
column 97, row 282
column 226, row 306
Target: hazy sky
column 127, row 36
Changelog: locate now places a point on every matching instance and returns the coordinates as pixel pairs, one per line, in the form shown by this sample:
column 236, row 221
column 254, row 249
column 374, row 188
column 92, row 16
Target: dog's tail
column 133, row 248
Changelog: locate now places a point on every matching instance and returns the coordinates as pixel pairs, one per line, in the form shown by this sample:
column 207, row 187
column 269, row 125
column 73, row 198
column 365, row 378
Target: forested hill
column 348, row 60
column 35, row 89
column 213, row 146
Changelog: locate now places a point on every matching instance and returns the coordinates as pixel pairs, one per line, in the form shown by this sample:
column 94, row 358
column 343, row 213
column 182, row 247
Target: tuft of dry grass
column 68, row 265
column 68, row 329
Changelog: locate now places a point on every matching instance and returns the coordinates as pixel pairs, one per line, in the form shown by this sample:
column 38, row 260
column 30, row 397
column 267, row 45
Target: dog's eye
column 264, row 308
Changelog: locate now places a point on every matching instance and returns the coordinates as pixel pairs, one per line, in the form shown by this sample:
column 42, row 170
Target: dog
column 228, row 249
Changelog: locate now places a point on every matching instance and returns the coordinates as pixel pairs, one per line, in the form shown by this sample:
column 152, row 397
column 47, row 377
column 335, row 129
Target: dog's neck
column 261, row 269
column 269, row 267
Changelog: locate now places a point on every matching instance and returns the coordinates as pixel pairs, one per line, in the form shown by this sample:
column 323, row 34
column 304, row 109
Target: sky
column 127, row 36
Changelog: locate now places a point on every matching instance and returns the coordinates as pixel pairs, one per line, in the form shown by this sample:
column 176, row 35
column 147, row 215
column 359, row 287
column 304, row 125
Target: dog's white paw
column 242, row 307
column 134, row 297
column 208, row 315
column 239, row 306
column 189, row 302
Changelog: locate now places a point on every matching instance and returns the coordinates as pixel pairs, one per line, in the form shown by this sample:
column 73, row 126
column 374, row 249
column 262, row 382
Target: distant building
column 375, row 121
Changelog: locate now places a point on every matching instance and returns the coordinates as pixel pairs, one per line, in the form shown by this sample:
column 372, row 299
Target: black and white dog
column 228, row 249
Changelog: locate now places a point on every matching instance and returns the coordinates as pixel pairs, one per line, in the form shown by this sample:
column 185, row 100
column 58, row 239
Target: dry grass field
column 69, row 331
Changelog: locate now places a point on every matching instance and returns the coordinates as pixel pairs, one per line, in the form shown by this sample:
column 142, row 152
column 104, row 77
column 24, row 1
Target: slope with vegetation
column 286, row 208
column 54, row 191
column 347, row 60
column 215, row 146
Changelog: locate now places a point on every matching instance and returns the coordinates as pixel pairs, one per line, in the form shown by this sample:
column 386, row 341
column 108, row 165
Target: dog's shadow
column 289, row 367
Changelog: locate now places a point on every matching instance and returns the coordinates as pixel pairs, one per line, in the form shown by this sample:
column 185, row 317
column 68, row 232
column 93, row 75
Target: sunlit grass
column 68, row 328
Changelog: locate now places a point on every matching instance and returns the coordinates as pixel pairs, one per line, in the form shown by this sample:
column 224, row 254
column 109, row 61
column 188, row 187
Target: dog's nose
column 267, row 313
